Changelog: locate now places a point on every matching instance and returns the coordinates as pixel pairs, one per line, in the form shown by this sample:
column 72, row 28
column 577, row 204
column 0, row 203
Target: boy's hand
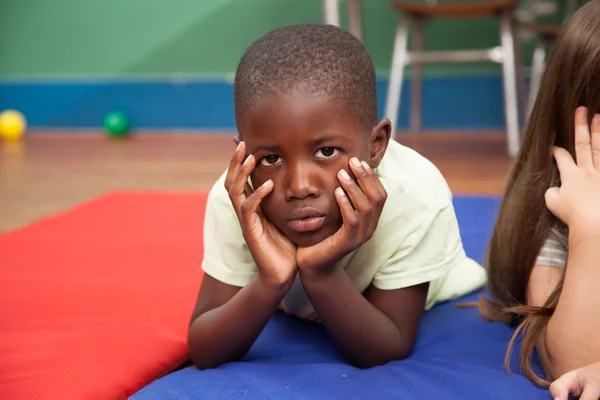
column 360, row 209
column 584, row 382
column 273, row 252
column 576, row 201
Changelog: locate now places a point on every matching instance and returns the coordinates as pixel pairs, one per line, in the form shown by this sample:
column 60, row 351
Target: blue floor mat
column 457, row 355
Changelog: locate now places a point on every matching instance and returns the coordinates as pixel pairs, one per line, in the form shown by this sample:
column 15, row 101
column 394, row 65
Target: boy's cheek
column 256, row 180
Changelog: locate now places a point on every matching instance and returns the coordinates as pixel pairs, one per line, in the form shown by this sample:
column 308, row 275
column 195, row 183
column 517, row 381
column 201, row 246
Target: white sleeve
column 430, row 250
column 226, row 255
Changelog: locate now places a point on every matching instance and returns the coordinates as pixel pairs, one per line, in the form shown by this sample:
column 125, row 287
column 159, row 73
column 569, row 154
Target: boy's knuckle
column 353, row 221
column 245, row 207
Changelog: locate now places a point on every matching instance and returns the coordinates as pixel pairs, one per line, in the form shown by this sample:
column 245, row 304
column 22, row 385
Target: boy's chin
column 309, row 239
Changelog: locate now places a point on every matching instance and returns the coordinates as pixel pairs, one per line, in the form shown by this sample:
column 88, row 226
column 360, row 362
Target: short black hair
column 321, row 59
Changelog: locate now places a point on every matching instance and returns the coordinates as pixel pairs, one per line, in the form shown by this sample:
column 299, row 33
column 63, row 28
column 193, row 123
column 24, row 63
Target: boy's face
column 301, row 142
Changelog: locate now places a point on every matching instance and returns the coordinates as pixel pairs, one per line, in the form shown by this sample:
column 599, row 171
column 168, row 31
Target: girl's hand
column 577, row 201
column 361, row 205
column 273, row 253
column 584, row 382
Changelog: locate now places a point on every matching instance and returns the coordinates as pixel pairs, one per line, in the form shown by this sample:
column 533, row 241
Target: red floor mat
column 95, row 302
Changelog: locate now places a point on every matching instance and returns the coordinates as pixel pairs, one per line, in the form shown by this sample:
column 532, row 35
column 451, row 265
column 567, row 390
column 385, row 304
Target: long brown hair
column 571, row 79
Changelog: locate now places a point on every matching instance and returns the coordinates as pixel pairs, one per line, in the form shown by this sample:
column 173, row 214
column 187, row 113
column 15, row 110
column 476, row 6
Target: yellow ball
column 12, row 125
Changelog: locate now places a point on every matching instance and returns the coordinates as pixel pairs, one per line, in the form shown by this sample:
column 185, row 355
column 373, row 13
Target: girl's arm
column 571, row 339
column 572, row 334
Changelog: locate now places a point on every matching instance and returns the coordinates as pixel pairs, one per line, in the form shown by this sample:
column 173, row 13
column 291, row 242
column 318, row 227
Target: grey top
column 554, row 250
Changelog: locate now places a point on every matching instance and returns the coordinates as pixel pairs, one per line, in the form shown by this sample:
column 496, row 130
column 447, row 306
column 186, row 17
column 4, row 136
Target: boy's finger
column 238, row 188
column 355, row 194
column 367, row 181
column 583, row 142
column 349, row 216
column 250, row 205
column 235, row 164
column 596, row 141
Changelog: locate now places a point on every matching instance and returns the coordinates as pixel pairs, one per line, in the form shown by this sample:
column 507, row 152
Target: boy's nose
column 301, row 183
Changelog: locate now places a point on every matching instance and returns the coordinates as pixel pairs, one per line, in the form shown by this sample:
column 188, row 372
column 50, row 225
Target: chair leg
column 416, row 102
column 394, row 91
column 537, row 69
column 354, row 18
column 520, row 68
column 331, row 12
column 511, row 104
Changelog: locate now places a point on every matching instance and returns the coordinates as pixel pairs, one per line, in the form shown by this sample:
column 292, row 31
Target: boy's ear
column 379, row 139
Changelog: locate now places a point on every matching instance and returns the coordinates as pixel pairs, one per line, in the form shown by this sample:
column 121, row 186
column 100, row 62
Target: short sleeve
column 429, row 252
column 554, row 250
column 226, row 255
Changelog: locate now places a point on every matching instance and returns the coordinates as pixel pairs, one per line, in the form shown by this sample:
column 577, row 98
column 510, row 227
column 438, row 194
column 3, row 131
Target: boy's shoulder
column 409, row 177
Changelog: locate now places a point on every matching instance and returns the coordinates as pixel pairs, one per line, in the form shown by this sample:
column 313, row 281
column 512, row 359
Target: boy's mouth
column 306, row 220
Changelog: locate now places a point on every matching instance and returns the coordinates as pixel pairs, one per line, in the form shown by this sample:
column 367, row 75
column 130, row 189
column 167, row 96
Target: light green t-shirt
column 417, row 239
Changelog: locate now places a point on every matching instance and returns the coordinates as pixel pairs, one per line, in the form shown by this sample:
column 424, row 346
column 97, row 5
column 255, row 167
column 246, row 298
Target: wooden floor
column 51, row 172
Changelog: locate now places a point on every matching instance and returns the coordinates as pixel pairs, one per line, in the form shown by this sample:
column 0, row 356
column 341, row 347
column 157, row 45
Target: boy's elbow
column 398, row 354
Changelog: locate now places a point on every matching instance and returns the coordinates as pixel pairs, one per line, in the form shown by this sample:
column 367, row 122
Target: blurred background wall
column 170, row 64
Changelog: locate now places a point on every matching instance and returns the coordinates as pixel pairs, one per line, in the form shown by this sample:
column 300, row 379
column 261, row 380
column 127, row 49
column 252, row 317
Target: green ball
column 116, row 124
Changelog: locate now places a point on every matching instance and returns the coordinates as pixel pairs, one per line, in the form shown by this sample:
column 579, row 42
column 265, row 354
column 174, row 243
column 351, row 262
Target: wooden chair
column 546, row 35
column 416, row 14
column 331, row 15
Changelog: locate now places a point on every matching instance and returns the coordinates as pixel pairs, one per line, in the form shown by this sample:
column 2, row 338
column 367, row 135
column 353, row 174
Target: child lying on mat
column 319, row 213
column 543, row 258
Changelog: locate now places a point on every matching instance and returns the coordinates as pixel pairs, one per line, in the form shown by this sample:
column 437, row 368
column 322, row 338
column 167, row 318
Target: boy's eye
column 270, row 160
column 327, row 152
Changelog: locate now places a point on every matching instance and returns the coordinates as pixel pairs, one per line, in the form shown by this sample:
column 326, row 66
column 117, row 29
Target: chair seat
column 460, row 9
column 548, row 31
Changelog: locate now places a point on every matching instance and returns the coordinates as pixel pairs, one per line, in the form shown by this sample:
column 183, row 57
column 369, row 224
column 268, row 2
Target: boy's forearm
column 366, row 336
column 572, row 334
column 226, row 333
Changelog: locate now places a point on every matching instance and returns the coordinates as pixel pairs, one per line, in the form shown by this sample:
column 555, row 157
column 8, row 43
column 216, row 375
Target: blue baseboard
column 448, row 103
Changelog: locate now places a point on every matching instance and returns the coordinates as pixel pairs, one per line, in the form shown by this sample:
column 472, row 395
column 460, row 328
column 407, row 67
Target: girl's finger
column 596, row 141
column 591, row 391
column 583, row 141
column 564, row 161
column 563, row 386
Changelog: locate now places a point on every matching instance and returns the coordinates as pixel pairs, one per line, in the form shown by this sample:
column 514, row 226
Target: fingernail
column 596, row 119
column 247, row 160
column 365, row 165
column 267, row 183
column 239, row 146
column 582, row 111
column 340, row 192
column 355, row 163
column 344, row 174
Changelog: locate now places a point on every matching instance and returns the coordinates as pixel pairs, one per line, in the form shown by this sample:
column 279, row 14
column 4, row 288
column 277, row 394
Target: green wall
column 171, row 39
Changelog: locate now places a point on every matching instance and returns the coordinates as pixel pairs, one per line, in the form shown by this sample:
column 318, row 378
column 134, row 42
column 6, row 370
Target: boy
column 311, row 216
